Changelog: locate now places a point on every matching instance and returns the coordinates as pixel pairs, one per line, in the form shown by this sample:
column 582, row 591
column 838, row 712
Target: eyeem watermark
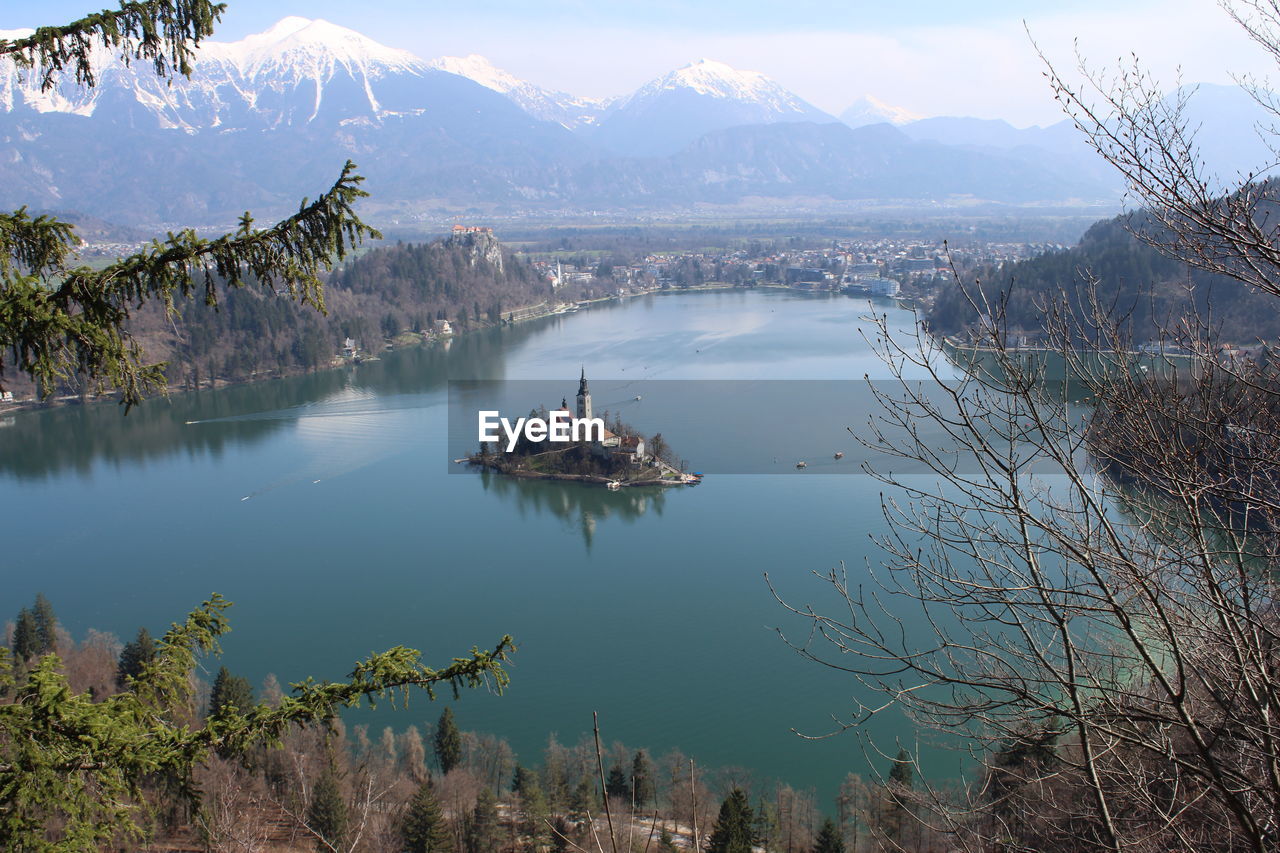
column 559, row 425
column 731, row 426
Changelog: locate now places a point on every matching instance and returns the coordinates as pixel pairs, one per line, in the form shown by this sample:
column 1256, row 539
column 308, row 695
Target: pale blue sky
column 929, row 56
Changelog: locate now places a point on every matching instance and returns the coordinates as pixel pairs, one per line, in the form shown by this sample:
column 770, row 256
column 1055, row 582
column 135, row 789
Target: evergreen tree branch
column 161, row 32
column 39, row 245
column 78, row 326
column 63, row 754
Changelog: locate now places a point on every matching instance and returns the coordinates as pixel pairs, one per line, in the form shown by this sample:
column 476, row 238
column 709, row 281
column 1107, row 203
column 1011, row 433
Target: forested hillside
column 1144, row 288
column 468, row 279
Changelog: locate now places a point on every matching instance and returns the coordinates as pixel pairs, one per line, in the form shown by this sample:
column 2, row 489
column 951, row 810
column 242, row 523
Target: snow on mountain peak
column 283, row 28
column 714, row 79
column 312, row 47
column 546, row 104
column 709, row 77
column 871, row 110
column 480, row 70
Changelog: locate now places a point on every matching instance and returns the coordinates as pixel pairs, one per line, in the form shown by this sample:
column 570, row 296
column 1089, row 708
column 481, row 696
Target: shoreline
column 340, row 362
column 594, row 479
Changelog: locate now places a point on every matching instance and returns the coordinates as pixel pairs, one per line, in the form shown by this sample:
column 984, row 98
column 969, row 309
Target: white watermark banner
column 794, row 427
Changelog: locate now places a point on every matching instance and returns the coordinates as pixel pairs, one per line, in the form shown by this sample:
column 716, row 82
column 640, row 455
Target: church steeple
column 584, row 396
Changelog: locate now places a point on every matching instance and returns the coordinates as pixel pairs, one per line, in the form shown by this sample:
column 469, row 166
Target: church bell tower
column 584, row 396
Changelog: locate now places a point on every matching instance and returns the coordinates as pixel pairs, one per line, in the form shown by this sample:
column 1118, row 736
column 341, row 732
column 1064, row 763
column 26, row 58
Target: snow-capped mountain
column 299, row 70
column 672, row 111
column 871, row 110
column 269, row 119
column 298, row 48
column 717, row 80
column 571, row 111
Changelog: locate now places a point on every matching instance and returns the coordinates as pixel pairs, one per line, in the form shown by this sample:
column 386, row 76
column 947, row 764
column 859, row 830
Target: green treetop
column 902, row 772
column 135, row 656
column 584, row 802
column 482, row 824
column 327, row 811
column 35, row 631
column 46, row 624
column 448, row 742
column 617, row 786
column 829, row 840
column 522, row 778
column 230, row 694
column 424, row 829
column 733, row 830
column 897, row 811
column 534, row 811
column 26, row 637
column 641, row 780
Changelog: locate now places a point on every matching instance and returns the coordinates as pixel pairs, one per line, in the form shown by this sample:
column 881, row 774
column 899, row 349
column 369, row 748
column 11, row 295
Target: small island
column 616, row 456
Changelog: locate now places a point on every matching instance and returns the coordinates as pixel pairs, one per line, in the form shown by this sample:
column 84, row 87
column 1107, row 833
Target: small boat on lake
column 802, row 464
column 839, row 455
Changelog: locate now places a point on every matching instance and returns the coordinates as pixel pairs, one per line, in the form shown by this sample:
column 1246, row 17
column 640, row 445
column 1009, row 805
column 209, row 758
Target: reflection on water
column 39, row 444
column 396, row 551
column 578, row 505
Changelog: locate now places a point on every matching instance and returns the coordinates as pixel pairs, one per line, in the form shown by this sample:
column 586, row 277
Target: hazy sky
column 931, row 57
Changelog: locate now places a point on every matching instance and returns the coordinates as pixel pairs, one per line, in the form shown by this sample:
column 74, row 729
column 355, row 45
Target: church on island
column 611, row 454
column 608, row 444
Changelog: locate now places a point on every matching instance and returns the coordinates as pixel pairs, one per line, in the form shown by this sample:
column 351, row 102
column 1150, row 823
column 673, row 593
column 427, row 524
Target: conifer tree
column 26, row 637
column 902, row 773
column 134, row 657
column 448, row 742
column 327, row 811
column 424, row 829
column 732, row 832
column 666, row 844
column 616, row 786
column 231, row 694
column 60, row 319
column 482, row 825
column 584, row 801
column 641, row 780
column 534, row 811
column 897, row 811
column 521, row 779
column 828, row 840
column 46, row 624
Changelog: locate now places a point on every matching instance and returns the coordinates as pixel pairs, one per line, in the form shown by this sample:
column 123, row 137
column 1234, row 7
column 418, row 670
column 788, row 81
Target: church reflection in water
column 578, row 505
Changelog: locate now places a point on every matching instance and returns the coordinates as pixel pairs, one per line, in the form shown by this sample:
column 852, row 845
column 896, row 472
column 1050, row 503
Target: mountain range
column 270, row 118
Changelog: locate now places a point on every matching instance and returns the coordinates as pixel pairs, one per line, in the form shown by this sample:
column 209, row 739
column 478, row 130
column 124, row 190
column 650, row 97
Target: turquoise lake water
column 326, row 508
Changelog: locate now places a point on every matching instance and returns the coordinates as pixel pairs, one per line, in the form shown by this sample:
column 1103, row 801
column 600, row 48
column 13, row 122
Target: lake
column 326, row 508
